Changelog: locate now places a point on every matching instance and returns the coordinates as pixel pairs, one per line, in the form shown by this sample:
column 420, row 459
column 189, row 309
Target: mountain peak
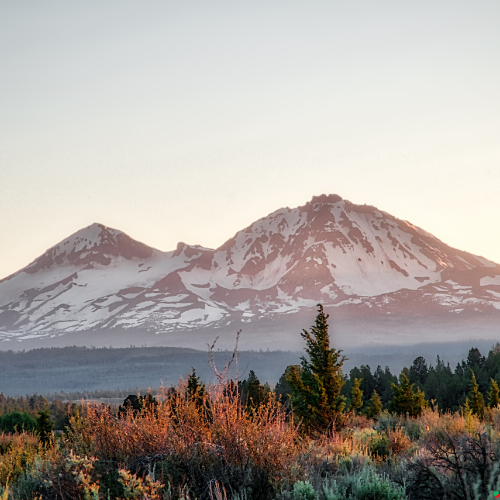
column 354, row 258
column 92, row 235
column 94, row 244
column 325, row 198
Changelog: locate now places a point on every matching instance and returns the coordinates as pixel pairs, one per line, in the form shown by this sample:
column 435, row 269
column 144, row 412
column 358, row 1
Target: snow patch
column 488, row 280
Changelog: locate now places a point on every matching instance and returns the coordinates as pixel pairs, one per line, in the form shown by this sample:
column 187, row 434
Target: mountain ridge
column 329, row 250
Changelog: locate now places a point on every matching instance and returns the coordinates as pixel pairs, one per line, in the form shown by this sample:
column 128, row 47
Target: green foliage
column 356, row 401
column 316, row 386
column 136, row 488
column 380, row 446
column 419, row 371
column 374, row 406
column 303, row 490
column 475, row 400
column 406, row 401
column 442, row 386
column 362, row 484
column 253, row 394
column 283, row 390
column 44, row 427
column 494, row 394
column 17, row 422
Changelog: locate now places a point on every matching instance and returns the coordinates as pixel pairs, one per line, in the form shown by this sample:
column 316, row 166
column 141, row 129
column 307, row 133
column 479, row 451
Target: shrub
column 398, row 441
column 380, row 447
column 18, row 452
column 456, row 454
column 302, row 490
column 17, row 422
column 362, row 484
column 189, row 447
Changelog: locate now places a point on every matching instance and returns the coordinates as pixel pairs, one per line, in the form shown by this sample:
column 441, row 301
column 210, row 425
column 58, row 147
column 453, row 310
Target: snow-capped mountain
column 329, row 251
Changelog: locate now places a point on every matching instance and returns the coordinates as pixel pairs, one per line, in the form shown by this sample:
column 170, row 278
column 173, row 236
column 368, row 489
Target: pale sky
column 189, row 120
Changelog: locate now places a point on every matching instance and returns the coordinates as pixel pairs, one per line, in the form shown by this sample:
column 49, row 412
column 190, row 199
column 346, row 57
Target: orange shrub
column 218, row 438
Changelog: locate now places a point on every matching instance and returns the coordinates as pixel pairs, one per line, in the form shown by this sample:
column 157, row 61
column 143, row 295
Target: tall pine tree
column 316, row 385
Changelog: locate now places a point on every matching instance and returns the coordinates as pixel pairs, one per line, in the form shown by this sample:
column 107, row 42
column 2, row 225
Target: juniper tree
column 356, row 396
column 197, row 393
column 406, row 401
column 283, row 390
column 494, row 394
column 44, row 427
column 252, row 392
column 475, row 399
column 316, row 384
column 374, row 407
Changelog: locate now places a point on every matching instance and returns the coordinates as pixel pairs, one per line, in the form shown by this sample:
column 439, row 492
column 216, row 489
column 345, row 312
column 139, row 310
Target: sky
column 187, row 121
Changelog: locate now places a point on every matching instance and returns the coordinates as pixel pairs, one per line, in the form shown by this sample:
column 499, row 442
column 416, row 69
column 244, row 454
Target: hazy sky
column 189, row 120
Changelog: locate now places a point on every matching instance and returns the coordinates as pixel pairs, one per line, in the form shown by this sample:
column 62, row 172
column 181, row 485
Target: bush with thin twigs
column 186, row 443
column 457, row 458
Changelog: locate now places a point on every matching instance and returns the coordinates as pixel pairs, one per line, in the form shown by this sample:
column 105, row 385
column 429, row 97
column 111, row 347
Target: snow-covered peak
column 87, row 238
column 328, row 251
column 93, row 245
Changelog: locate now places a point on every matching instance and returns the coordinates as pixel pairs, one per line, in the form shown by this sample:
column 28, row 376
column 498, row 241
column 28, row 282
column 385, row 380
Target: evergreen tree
column 440, row 385
column 44, row 427
column 374, row 406
column 356, row 396
column 367, row 380
column 383, row 383
column 252, row 393
column 256, row 393
column 475, row 399
column 316, row 386
column 17, row 421
column 136, row 404
column 196, row 391
column 283, row 389
column 493, row 394
column 475, row 359
column 405, row 401
column 419, row 371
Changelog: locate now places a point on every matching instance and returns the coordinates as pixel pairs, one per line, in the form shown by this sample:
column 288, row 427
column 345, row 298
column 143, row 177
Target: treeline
column 448, row 388
column 472, row 385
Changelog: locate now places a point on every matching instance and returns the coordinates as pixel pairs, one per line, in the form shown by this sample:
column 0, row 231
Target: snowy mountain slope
column 329, row 250
column 83, row 280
